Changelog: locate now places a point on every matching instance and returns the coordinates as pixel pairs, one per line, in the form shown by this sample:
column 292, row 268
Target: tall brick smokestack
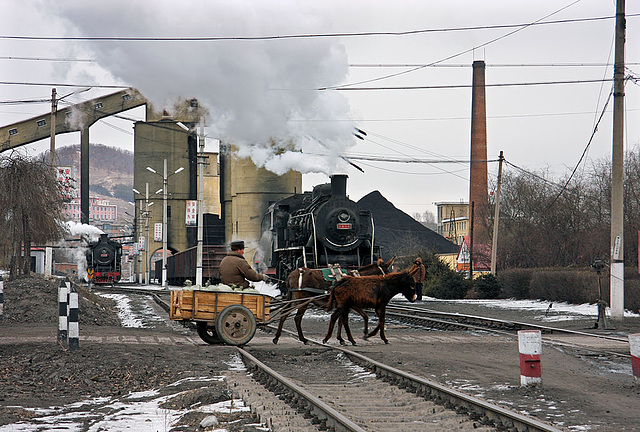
column 478, row 188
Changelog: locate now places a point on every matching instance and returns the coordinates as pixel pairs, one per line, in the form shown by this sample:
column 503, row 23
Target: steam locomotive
column 318, row 228
column 104, row 260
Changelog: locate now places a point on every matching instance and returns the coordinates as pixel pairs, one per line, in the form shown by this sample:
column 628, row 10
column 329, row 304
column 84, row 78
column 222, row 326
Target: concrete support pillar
column 48, row 261
column 530, row 348
column 84, row 175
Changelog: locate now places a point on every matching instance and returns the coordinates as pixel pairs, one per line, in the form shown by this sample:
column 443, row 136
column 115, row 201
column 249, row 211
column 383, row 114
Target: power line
column 595, row 129
column 462, row 65
column 452, row 86
column 460, row 86
column 489, row 42
column 307, row 35
column 63, row 85
column 46, row 59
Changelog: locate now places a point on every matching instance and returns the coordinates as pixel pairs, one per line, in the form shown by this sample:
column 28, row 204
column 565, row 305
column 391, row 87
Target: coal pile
column 399, row 234
column 34, row 299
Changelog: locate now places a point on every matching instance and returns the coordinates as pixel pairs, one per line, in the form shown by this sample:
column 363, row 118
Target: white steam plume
column 87, row 232
column 255, row 90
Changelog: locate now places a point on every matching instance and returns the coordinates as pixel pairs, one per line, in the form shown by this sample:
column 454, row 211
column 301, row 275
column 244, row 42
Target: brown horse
column 368, row 292
column 301, row 285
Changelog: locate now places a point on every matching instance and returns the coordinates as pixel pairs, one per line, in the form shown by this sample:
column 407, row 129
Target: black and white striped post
column 74, row 329
column 62, row 313
column 1, row 299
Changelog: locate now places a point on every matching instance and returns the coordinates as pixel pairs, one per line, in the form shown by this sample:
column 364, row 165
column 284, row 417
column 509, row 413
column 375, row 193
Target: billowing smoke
column 77, row 251
column 257, row 91
column 87, row 232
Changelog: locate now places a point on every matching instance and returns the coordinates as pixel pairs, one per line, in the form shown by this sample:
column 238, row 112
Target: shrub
column 487, row 286
column 450, row 285
column 572, row 286
column 515, row 283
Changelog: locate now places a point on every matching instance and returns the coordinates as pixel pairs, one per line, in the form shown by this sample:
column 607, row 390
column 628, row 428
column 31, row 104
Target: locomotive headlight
column 343, row 217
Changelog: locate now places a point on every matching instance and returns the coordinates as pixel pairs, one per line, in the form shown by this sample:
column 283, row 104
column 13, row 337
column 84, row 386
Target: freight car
column 104, row 260
column 318, row 228
column 182, row 265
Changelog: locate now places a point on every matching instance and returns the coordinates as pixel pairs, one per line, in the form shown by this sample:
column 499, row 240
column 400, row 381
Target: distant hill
column 110, row 169
column 400, row 234
column 110, row 173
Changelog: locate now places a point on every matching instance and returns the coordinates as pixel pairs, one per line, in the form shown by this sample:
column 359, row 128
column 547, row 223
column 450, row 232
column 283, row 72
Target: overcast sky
column 285, row 88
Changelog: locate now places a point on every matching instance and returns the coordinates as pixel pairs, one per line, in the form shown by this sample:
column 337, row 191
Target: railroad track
column 614, row 346
column 305, row 414
column 339, row 389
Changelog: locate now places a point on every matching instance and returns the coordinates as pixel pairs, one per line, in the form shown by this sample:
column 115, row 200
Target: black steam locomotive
column 318, row 228
column 104, row 260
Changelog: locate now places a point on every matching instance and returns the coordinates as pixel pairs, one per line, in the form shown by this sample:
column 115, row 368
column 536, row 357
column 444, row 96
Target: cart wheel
column 208, row 333
column 236, row 325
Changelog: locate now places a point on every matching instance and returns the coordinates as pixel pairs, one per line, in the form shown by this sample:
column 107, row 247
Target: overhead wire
column 517, row 29
column 539, row 22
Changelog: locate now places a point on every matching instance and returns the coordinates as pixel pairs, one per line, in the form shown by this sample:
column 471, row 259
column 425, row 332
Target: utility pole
column 201, row 162
column 471, row 240
column 165, row 197
column 146, row 240
column 617, row 178
column 52, row 147
column 496, row 218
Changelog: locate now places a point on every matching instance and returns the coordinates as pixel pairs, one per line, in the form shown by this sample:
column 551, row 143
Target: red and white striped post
column 634, row 345
column 530, row 348
column 1, row 299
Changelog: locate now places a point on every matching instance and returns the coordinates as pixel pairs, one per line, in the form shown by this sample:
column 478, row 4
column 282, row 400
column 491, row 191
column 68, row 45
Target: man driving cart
column 235, row 270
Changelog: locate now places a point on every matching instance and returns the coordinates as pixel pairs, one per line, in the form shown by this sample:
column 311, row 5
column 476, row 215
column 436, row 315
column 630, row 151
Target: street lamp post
column 145, row 214
column 165, row 179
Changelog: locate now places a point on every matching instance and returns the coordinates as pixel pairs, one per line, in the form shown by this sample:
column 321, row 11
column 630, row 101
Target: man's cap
column 237, row 244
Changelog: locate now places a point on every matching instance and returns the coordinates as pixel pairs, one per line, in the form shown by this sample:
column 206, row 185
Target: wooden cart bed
column 199, row 305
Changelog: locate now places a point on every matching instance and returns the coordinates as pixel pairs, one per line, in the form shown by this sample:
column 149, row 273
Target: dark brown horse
column 368, row 292
column 307, row 286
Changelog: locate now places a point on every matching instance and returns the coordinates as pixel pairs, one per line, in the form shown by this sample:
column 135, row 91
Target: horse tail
column 330, row 301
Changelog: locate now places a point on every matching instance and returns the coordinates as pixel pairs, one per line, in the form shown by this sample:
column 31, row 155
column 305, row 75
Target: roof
column 400, row 234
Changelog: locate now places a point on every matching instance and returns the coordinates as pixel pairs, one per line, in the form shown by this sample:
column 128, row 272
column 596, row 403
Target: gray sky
column 256, row 89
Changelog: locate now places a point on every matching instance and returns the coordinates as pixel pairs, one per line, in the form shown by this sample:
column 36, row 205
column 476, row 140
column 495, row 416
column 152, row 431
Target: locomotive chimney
column 339, row 185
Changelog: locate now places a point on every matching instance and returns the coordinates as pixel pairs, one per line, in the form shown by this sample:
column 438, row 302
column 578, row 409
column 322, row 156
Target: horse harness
column 332, row 274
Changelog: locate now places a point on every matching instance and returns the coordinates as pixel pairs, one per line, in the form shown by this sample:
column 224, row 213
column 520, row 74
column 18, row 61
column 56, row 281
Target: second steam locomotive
column 318, row 228
column 104, row 261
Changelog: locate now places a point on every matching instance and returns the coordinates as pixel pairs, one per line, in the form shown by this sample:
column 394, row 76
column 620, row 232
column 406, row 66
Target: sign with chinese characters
column 191, row 218
column 157, row 232
column 141, row 241
column 65, row 183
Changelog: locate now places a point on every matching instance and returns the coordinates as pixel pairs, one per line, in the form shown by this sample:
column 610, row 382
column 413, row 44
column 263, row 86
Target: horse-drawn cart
column 221, row 316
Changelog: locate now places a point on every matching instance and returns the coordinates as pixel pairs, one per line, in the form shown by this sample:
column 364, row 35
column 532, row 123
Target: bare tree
column 546, row 222
column 30, row 208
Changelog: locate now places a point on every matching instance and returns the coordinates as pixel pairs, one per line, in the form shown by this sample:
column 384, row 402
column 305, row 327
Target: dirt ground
column 580, row 391
column 37, row 372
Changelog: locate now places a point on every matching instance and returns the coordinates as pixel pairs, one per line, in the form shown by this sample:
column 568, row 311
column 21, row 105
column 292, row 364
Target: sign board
column 191, row 218
column 65, row 183
column 157, row 232
column 464, row 257
column 141, row 242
